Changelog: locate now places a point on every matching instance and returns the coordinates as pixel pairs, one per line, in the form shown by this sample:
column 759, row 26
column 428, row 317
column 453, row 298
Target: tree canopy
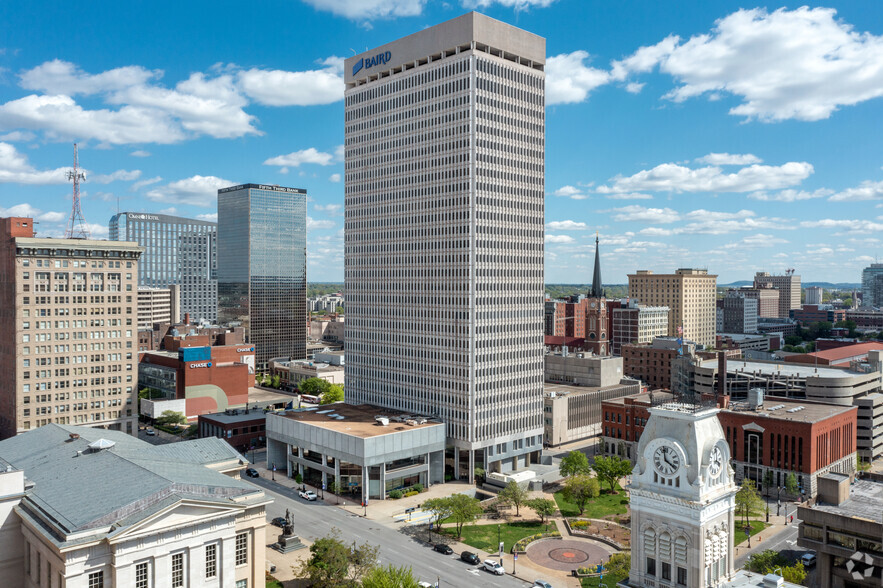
column 333, row 394
column 171, row 417
column 464, row 509
column 389, row 577
column 580, row 489
column 313, row 386
column 573, row 464
column 612, row 468
column 333, row 564
column 515, row 495
column 544, row 507
column 748, row 501
column 767, row 561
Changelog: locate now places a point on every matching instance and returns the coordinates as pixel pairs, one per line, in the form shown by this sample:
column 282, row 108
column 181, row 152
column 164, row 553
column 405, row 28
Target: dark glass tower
column 180, row 251
column 262, row 267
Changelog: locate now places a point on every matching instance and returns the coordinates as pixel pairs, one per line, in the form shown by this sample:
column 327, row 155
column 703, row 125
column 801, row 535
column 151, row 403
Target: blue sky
column 736, row 137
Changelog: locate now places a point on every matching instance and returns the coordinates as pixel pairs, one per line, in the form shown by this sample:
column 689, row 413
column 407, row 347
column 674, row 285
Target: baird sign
column 368, row 62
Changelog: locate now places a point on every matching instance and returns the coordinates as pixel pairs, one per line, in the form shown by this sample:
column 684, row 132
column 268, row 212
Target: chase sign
column 369, row 62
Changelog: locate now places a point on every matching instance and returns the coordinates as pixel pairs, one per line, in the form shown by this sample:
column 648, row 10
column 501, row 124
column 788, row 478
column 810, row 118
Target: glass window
column 241, row 549
column 141, row 576
column 177, row 570
column 96, row 580
column 682, row 576
column 651, row 566
column 211, row 560
column 666, row 571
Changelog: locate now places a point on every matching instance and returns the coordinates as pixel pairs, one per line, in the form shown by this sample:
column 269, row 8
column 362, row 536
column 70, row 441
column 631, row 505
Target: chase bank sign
column 369, row 62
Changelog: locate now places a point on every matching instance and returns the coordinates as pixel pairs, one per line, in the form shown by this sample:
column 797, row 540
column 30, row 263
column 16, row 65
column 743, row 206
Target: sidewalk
column 777, row 525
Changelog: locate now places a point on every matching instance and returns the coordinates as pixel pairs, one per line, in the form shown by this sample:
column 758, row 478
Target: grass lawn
column 485, row 537
column 274, row 584
column 596, row 508
column 609, row 580
column 756, row 527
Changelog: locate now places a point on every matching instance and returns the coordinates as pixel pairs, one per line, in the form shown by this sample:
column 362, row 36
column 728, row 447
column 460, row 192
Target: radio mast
column 76, row 226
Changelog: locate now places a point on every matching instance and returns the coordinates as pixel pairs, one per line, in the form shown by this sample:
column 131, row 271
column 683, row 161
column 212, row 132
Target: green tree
column 610, row 469
column 860, row 464
column 389, row 577
column 580, row 489
column 515, row 495
column 479, row 475
column 276, row 381
column 333, row 394
column 464, row 509
column 362, row 559
column 439, row 508
column 793, row 340
column 171, row 417
column 791, row 485
column 619, row 564
column 574, row 464
column 544, row 507
column 339, row 310
column 748, row 501
column 847, row 324
column 328, row 563
column 769, row 560
column 313, row 386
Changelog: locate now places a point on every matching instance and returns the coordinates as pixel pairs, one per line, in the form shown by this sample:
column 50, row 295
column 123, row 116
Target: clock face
column 715, row 462
column 666, row 460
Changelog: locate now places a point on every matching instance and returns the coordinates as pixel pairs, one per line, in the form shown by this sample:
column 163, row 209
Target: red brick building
column 240, row 428
column 783, row 436
column 651, row 362
column 818, row 313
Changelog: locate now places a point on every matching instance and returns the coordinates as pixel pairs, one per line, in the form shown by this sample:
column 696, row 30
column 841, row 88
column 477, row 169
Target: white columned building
column 445, row 144
column 682, row 501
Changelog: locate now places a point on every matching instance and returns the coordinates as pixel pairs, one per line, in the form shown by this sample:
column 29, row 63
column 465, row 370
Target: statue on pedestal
column 288, row 529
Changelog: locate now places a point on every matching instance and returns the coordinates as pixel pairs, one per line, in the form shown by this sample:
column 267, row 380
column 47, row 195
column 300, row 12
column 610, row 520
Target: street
column 314, row 520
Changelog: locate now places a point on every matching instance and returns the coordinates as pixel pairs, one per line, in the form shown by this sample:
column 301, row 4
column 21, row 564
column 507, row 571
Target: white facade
column 445, row 152
column 814, row 295
column 682, row 501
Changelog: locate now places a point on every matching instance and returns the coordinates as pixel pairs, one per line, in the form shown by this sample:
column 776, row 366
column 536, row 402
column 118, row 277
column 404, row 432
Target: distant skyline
column 725, row 136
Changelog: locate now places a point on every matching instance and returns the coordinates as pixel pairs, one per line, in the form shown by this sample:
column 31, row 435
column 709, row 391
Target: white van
column 808, row 560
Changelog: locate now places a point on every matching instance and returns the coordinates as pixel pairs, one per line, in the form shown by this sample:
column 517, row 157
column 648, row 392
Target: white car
column 424, row 584
column 308, row 495
column 494, row 566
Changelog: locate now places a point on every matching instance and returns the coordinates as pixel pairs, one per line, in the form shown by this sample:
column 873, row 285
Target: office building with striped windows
column 444, row 138
column 262, row 271
column 177, row 251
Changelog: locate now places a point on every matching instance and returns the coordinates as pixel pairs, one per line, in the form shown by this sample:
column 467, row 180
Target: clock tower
column 682, row 500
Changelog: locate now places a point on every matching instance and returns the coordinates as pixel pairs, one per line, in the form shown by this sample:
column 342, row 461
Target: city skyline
column 733, row 166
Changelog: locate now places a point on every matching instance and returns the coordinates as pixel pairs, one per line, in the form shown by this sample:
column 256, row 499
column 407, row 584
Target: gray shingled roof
column 124, row 483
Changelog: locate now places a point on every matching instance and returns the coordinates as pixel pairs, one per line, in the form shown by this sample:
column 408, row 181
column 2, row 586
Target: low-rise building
column 845, row 530
column 843, row 356
column 367, row 451
column 866, row 319
column 784, row 327
column 88, row 508
column 624, row 420
column 328, row 366
column 817, row 313
column 242, row 429
column 746, row 342
column 582, row 369
column 651, row 363
column 573, row 413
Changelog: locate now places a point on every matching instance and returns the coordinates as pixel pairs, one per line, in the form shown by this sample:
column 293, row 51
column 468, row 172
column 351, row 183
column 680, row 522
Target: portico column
column 364, row 484
column 383, row 481
column 471, row 473
column 288, row 459
column 456, row 463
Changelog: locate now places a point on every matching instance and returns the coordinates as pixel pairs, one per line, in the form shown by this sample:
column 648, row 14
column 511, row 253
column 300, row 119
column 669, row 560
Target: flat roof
column 785, row 409
column 788, row 369
column 257, row 414
column 358, row 420
column 644, row 397
column 865, row 502
column 565, row 389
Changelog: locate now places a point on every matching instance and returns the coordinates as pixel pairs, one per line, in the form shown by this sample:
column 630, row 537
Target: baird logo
column 369, row 62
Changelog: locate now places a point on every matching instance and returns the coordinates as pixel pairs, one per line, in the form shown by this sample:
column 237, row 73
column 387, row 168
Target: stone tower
column 597, row 339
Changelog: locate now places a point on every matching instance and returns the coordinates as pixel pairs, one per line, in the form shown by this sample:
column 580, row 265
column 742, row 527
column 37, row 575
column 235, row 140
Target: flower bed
column 607, row 532
column 521, row 545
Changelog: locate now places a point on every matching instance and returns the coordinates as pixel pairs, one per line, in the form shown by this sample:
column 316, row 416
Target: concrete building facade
column 767, row 300
column 573, row 413
column 689, row 293
column 740, row 313
column 788, row 286
column 158, row 305
column 813, row 295
column 71, row 308
column 872, row 286
column 444, row 237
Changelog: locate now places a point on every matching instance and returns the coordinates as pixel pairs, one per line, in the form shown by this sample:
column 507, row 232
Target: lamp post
column 778, row 500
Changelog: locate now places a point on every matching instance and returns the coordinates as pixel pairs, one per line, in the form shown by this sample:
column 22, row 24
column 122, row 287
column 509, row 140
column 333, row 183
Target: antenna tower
column 76, row 226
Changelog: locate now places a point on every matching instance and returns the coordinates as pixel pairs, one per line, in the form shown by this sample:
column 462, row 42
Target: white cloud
column 790, row 195
column 672, row 177
column 119, row 175
column 571, row 192
column 569, row 80
column 867, row 190
column 52, row 217
column 628, row 196
column 170, row 210
column 195, row 190
column 849, row 225
column 656, row 232
column 26, row 210
column 517, row 5
column 295, row 88
column 18, row 136
column 369, row 9
column 334, row 178
column 634, row 88
column 65, row 78
column 208, row 216
column 801, row 64
column 313, row 224
column 296, row 158
column 759, row 240
column 636, row 213
column 559, row 239
column 15, row 169
column 729, row 159
column 147, row 182
column 140, row 153
column 332, row 209
column 567, row 225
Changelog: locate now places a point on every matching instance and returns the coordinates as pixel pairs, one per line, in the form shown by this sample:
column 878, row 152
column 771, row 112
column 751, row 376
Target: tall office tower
column 767, row 299
column 689, row 293
column 177, row 250
column 445, row 150
column 70, row 306
column 262, row 267
column 788, row 286
column 814, row 295
column 740, row 313
column 872, row 286
column 633, row 323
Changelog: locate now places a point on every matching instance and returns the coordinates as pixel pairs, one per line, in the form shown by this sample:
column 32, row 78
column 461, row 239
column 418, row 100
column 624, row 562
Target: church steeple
column 597, row 291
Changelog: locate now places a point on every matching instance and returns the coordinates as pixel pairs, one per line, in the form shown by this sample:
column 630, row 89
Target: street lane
column 314, row 520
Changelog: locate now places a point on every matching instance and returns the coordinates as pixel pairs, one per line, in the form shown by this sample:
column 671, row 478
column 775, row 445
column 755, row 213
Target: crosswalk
column 418, row 517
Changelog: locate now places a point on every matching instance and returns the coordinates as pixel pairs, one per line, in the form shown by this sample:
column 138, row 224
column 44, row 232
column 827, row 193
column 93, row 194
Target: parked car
column 424, row 584
column 308, row 495
column 494, row 566
column 150, row 431
column 278, row 521
column 442, row 548
column 252, row 473
column 470, row 558
column 808, row 559
column 541, row 584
